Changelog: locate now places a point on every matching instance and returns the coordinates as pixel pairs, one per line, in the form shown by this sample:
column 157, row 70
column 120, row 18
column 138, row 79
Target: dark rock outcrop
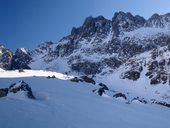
column 21, row 59
column 6, row 57
column 125, row 22
column 88, row 79
column 120, row 95
column 99, row 91
column 131, row 75
column 17, row 87
column 158, row 21
column 76, row 79
column 22, row 86
column 3, row 92
column 87, row 68
column 163, row 104
column 142, row 100
column 103, row 86
column 83, row 79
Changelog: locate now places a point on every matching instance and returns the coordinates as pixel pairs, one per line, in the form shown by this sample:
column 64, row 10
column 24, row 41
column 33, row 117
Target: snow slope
column 140, row 87
column 146, row 32
column 63, row 104
column 32, row 73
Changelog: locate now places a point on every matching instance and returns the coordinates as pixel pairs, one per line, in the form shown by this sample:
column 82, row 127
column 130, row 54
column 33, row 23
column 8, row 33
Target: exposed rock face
column 155, row 64
column 103, row 86
column 132, row 75
column 92, row 26
column 86, row 67
column 134, row 70
column 160, row 21
column 22, row 86
column 125, row 22
column 17, row 87
column 163, row 104
column 88, row 79
column 99, row 91
column 83, row 79
column 21, row 59
column 120, row 95
column 3, row 92
column 6, row 57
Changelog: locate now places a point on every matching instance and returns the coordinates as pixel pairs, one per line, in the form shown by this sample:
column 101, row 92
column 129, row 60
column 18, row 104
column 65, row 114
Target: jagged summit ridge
column 159, row 21
column 102, row 44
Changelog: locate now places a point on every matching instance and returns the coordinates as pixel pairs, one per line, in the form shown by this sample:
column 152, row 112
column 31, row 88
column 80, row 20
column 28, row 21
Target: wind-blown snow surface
column 63, row 104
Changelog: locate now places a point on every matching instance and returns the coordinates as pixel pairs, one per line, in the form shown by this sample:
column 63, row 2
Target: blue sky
column 26, row 23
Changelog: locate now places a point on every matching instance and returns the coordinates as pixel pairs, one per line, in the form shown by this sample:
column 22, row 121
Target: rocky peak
column 158, row 21
column 1, row 46
column 140, row 21
column 89, row 21
column 21, row 58
column 99, row 21
column 23, row 54
column 154, row 21
column 155, row 16
column 91, row 26
column 21, row 51
column 125, row 22
column 122, row 15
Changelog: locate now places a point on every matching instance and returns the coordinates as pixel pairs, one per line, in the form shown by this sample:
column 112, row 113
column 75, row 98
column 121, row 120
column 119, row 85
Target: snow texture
column 64, row 104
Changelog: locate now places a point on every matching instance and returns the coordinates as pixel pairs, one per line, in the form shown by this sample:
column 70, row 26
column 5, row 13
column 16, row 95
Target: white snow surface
column 24, row 50
column 1, row 69
column 64, row 104
column 32, row 73
column 146, row 32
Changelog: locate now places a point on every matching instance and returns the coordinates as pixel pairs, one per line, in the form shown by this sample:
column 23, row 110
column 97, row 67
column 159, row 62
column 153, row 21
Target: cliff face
column 6, row 57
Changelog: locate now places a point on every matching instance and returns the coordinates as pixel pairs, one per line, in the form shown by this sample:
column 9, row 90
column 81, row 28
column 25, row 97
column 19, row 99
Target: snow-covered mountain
column 120, row 68
column 129, row 46
column 10, row 61
column 98, row 44
column 101, row 44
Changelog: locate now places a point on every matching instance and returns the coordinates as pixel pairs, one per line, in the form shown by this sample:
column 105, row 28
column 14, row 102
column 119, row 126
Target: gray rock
column 88, row 79
column 103, row 86
column 22, row 86
column 3, row 92
column 87, row 68
column 6, row 57
column 21, row 59
column 120, row 95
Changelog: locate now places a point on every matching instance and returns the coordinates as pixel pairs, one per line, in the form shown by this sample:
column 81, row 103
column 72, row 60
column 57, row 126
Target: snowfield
column 32, row 73
column 61, row 103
